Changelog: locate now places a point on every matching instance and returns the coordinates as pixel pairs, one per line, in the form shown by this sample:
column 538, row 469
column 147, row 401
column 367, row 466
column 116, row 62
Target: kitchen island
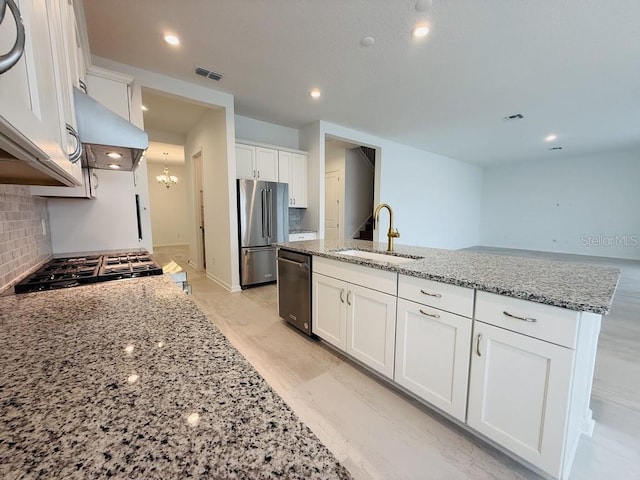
column 129, row 379
column 504, row 346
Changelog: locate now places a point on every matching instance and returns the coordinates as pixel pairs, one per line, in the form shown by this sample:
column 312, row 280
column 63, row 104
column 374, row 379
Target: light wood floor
column 379, row 433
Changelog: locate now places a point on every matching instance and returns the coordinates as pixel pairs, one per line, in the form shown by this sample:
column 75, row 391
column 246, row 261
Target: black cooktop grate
column 82, row 270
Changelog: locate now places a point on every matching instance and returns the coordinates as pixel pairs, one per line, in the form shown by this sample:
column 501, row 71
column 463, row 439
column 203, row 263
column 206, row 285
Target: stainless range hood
column 103, row 132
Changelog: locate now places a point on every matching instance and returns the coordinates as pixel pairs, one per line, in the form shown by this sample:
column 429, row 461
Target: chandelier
column 166, row 179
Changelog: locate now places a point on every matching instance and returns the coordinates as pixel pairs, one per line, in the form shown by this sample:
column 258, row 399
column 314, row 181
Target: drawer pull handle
column 524, row 319
column 432, row 315
column 342, row 295
column 437, row 295
column 478, row 344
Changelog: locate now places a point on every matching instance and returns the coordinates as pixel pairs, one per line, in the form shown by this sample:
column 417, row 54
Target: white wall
column 586, row 205
column 169, row 207
column 209, row 137
column 264, row 132
column 105, row 223
column 436, row 200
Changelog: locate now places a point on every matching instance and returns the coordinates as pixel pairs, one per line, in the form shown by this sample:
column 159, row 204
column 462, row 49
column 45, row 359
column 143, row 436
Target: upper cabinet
column 259, row 162
column 37, row 125
column 292, row 169
column 256, row 163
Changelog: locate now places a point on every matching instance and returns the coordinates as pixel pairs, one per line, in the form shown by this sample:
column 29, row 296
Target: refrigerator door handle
column 264, row 212
column 270, row 224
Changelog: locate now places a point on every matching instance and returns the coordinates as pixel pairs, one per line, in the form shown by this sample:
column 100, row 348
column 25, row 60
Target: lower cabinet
column 432, row 356
column 358, row 320
column 519, row 394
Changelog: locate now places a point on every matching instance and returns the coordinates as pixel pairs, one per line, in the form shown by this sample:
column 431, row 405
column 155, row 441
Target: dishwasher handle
column 299, row 264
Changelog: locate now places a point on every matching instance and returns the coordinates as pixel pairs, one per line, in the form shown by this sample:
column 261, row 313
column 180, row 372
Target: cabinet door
column 298, row 180
column 245, row 155
column 519, row 394
column 266, row 164
column 432, row 356
column 371, row 326
column 63, row 56
column 329, row 310
column 284, row 164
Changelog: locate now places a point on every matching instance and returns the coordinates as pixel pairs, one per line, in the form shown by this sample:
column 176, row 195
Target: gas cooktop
column 81, row 270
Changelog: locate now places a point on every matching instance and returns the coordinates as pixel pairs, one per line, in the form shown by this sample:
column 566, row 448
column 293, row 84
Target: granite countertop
column 293, row 232
column 568, row 285
column 129, row 379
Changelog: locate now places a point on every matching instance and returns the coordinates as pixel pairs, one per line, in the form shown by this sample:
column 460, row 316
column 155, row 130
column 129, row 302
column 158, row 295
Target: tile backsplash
column 22, row 244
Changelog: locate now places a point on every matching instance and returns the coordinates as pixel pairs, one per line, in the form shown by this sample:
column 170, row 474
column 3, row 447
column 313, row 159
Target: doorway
column 197, row 183
column 349, row 190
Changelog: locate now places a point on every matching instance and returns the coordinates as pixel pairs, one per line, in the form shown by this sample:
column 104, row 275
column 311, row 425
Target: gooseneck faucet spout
column 392, row 233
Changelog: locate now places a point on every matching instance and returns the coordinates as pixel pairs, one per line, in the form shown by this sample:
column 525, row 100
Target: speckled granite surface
column 574, row 286
column 130, row 380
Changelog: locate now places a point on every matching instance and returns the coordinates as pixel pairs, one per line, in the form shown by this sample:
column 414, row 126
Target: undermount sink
column 380, row 257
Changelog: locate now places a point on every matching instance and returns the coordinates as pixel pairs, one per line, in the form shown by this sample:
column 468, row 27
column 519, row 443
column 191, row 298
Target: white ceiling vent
column 203, row 72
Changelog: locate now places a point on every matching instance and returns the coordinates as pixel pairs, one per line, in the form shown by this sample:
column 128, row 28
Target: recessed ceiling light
column 114, row 166
column 421, row 30
column 144, row 108
column 114, row 155
column 551, row 137
column 315, row 93
column 367, row 41
column 171, row 39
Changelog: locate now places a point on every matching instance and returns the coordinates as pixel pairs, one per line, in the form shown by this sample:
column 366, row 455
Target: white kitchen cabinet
column 293, row 170
column 519, row 393
column 110, row 89
column 371, row 327
column 432, row 356
column 531, row 376
column 256, row 163
column 329, row 313
column 33, row 112
column 358, row 320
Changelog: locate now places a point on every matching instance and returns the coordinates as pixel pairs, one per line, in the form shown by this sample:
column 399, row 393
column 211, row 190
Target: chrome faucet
column 392, row 233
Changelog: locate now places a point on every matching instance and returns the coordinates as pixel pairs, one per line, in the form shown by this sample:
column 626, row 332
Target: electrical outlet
column 44, row 227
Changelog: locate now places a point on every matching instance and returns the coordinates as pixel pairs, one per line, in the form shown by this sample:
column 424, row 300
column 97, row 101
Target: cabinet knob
column 8, row 60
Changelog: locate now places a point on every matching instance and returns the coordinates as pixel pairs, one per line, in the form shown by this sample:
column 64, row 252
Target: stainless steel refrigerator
column 263, row 219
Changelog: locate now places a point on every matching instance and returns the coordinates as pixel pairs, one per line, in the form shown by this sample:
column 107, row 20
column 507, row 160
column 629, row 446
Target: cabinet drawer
column 296, row 237
column 444, row 296
column 381, row 280
column 552, row 324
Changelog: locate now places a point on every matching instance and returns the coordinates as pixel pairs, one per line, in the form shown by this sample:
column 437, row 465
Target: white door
column 329, row 310
column 371, row 326
column 332, row 206
column 519, row 394
column 432, row 356
column 245, row 161
column 266, row 164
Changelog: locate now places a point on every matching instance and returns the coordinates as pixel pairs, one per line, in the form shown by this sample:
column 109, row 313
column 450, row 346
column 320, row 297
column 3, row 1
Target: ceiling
column 166, row 113
column 571, row 67
column 155, row 153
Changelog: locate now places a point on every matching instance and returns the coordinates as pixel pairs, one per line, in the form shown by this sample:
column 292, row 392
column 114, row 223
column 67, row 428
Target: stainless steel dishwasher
column 294, row 289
